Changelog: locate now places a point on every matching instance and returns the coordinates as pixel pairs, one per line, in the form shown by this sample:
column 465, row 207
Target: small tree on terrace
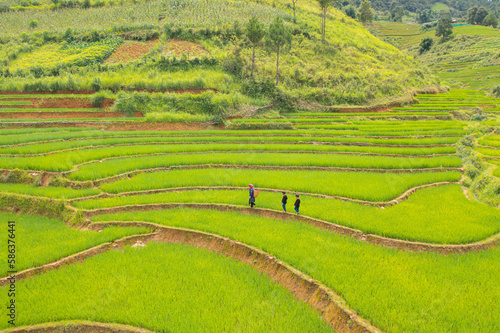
column 278, row 37
column 444, row 27
column 255, row 33
column 365, row 14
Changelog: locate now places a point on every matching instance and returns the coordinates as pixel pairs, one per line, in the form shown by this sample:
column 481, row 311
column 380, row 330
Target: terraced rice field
column 469, row 60
column 152, row 229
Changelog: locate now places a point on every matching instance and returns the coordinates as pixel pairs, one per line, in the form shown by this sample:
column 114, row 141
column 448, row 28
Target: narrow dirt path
column 77, row 326
column 409, row 246
column 393, row 202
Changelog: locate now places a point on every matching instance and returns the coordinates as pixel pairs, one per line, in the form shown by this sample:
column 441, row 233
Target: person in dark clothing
column 297, row 204
column 251, row 201
column 284, row 201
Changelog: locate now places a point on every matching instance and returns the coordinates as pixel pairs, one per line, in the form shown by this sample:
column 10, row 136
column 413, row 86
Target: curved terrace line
column 333, row 143
column 111, row 179
column 393, row 202
column 330, row 304
column 488, row 147
column 90, row 148
column 235, row 135
column 410, row 246
column 79, row 326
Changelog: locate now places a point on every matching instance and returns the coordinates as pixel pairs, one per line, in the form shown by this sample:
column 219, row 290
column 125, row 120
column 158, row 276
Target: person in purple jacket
column 251, row 201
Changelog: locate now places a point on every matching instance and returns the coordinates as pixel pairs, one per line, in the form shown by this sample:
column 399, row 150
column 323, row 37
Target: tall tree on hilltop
column 278, row 36
column 294, row 2
column 397, row 14
column 350, row 11
column 444, row 27
column 324, row 5
column 471, row 15
column 491, row 20
column 255, row 33
column 481, row 15
column 365, row 14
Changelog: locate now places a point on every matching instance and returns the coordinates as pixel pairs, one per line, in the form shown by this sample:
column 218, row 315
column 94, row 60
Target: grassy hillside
column 68, row 48
column 439, row 6
column 470, row 59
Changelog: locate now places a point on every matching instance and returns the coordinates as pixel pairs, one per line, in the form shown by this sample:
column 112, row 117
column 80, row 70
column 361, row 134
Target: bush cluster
column 215, row 106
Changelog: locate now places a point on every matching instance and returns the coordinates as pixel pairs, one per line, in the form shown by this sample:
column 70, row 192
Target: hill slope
column 471, row 59
column 70, row 46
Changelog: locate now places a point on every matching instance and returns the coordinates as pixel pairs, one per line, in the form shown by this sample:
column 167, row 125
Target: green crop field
column 50, row 239
column 132, row 132
column 398, row 180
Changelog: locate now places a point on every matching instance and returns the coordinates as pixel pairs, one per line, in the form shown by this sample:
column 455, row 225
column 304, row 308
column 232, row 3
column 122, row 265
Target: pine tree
column 278, row 37
column 294, row 2
column 324, row 5
column 255, row 33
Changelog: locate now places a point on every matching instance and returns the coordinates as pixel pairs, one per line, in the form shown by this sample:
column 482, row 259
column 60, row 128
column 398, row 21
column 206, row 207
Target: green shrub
column 216, row 106
column 96, row 84
column 98, row 98
column 126, row 103
column 471, row 171
column 33, row 24
column 478, row 115
column 496, row 91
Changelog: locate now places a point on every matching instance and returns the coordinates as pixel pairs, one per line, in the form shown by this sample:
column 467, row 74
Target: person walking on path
column 297, row 204
column 284, row 201
column 251, row 201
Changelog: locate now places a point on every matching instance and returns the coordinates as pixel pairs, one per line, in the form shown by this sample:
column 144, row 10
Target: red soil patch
column 54, row 103
column 179, row 47
column 59, row 92
column 131, row 51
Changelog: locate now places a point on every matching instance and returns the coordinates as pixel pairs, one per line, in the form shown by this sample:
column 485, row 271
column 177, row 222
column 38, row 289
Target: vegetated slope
column 470, row 59
column 416, row 6
column 353, row 67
